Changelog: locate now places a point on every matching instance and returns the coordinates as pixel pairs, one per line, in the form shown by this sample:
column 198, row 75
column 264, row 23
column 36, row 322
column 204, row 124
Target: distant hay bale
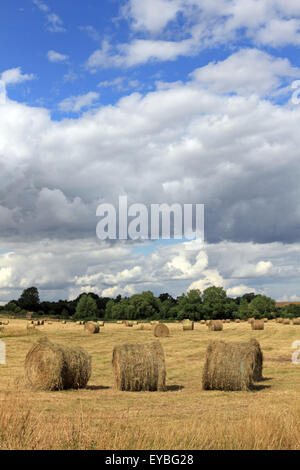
column 250, row 320
column 207, row 322
column 258, row 361
column 144, row 326
column 139, row 367
column 286, row 321
column 279, row 320
column 202, row 322
column 187, row 325
column 128, row 323
column 296, row 321
column 64, row 322
column 161, row 331
column 223, row 320
column 154, row 322
column 265, row 320
column 215, row 325
column 119, row 322
column 135, row 322
column 6, row 322
column 50, row 366
column 237, row 320
column 258, row 325
column 100, row 323
column 227, row 321
column 91, row 328
column 228, row 366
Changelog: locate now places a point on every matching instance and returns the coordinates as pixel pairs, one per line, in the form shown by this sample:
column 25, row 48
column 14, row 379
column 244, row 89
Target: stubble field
column 183, row 417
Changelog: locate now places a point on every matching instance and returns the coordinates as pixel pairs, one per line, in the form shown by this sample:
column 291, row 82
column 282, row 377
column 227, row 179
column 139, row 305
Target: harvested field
column 182, row 417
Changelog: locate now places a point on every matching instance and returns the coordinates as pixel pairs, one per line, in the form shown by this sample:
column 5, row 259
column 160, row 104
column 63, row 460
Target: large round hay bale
column 250, row 320
column 187, row 325
column 50, row 366
column 228, row 366
column 139, row 367
column 91, row 328
column 215, row 325
column 296, row 321
column 161, row 331
column 258, row 361
column 258, row 325
column 286, row 321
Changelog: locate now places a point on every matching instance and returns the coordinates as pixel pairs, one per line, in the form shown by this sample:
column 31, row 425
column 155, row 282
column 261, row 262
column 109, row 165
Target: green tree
column 214, row 302
column 190, row 305
column 263, row 305
column 86, row 308
column 30, row 299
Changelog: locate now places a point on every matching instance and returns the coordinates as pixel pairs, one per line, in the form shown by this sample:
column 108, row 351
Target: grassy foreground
column 184, row 417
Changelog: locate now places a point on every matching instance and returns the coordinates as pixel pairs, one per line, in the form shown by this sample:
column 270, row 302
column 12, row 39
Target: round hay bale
column 119, row 322
column 64, row 322
column 6, row 322
column 78, row 323
column 228, row 366
column 265, row 320
column 250, row 320
column 237, row 320
column 139, row 367
column 135, row 322
column 296, row 321
column 145, row 326
column 279, row 320
column 227, row 321
column 187, row 325
column 50, row 366
column 91, row 328
column 258, row 325
column 161, row 331
column 215, row 325
column 258, row 361
column 202, row 322
column 128, row 323
column 154, row 322
column 100, row 323
column 286, row 321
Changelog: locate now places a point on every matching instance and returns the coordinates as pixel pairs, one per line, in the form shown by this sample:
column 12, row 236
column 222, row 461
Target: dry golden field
column 184, row 417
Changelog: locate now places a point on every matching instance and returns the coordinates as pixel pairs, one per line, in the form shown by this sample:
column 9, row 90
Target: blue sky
column 167, row 101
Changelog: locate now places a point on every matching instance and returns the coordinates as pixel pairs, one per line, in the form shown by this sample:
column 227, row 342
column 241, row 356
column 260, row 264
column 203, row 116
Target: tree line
column 212, row 303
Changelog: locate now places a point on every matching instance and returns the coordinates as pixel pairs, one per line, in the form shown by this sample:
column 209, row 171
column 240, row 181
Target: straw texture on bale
column 91, row 328
column 279, row 320
column 228, row 366
column 286, row 321
column 250, row 320
column 215, row 325
column 296, row 321
column 265, row 320
column 187, row 325
column 258, row 361
column 237, row 320
column 50, row 366
column 161, row 331
column 258, row 325
column 139, row 367
column 227, row 321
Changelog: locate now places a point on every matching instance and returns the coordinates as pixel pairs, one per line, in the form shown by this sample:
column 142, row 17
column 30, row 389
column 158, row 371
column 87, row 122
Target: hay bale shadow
column 258, row 388
column 174, row 388
column 97, row 387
